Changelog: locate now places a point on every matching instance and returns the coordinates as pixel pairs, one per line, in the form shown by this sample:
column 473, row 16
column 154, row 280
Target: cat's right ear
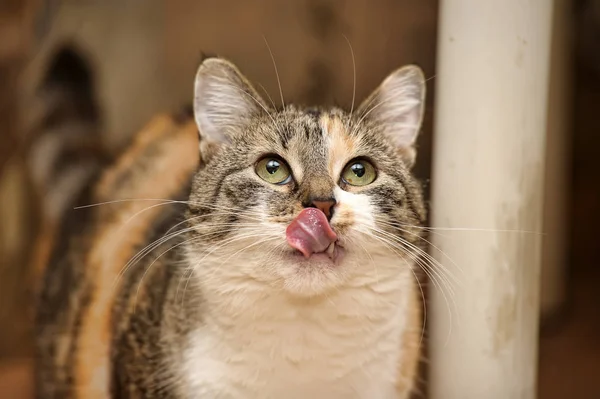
column 224, row 103
column 397, row 106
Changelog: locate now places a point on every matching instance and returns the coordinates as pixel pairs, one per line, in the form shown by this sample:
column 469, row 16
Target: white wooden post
column 488, row 174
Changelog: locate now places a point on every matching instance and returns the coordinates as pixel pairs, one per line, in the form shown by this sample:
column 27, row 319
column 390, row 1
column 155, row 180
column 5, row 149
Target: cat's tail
column 66, row 146
column 64, row 149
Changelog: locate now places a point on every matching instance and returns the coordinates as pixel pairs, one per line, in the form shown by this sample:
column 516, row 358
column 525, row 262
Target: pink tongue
column 310, row 232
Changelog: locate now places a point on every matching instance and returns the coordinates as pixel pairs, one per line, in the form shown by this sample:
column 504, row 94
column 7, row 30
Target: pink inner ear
column 310, row 232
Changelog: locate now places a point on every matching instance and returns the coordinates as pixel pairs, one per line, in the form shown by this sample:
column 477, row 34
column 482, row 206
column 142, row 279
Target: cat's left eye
column 273, row 170
column 359, row 172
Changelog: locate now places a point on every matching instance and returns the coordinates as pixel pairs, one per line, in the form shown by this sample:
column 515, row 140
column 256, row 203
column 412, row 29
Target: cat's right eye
column 273, row 170
column 359, row 172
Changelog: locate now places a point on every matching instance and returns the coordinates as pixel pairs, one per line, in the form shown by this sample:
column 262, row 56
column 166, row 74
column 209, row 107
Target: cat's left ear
column 224, row 103
column 397, row 106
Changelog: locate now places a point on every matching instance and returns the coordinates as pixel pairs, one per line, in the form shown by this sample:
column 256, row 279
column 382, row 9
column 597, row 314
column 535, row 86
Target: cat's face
column 262, row 168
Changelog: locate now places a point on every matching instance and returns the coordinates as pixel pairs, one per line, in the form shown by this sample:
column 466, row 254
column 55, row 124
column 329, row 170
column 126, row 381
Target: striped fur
column 76, row 330
column 223, row 308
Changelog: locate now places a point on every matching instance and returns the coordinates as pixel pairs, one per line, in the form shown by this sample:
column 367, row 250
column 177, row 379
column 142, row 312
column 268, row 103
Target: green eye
column 359, row 173
column 273, row 170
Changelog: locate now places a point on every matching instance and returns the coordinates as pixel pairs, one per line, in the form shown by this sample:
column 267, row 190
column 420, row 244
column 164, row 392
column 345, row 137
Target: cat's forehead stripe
column 340, row 145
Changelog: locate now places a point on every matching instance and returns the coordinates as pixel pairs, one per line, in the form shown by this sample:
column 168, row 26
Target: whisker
column 246, row 215
column 469, row 229
column 366, row 114
column 167, row 201
column 147, row 250
column 215, row 247
column 437, row 279
column 489, row 230
column 372, row 261
column 152, row 263
column 229, row 240
column 426, row 241
column 155, row 244
column 353, row 80
column 269, row 238
column 432, row 261
column 251, row 234
column 277, row 248
column 436, row 284
column 424, row 306
column 419, row 250
column 423, row 266
column 414, row 256
column 268, row 96
column 276, row 71
column 190, row 269
column 278, row 81
column 139, row 213
column 423, row 301
column 277, row 126
column 164, row 200
column 398, row 225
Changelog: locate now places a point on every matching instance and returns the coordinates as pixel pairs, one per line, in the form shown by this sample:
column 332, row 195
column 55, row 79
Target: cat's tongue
column 310, row 232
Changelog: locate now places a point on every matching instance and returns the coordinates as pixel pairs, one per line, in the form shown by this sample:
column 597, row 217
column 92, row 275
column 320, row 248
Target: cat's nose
column 324, row 204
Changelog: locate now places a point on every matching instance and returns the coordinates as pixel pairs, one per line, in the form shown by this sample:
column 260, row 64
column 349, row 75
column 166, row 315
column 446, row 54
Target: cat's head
column 261, row 168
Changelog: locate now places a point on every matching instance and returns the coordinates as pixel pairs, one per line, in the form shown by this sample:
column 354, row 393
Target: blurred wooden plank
column 17, row 19
column 16, row 32
column 16, row 379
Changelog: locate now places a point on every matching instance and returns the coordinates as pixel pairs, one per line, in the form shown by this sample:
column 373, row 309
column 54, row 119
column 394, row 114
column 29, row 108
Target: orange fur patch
column 411, row 343
column 160, row 126
column 341, row 146
column 115, row 241
column 42, row 250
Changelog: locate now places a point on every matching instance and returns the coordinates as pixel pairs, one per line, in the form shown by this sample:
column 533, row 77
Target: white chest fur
column 261, row 343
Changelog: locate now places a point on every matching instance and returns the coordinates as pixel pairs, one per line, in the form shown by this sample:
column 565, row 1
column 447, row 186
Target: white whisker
column 155, row 244
column 277, row 126
column 276, row 71
column 167, row 201
column 424, row 253
column 430, row 272
column 353, row 80
column 251, row 234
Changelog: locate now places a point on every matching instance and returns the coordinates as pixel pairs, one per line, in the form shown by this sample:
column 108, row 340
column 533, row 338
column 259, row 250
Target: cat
column 244, row 252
